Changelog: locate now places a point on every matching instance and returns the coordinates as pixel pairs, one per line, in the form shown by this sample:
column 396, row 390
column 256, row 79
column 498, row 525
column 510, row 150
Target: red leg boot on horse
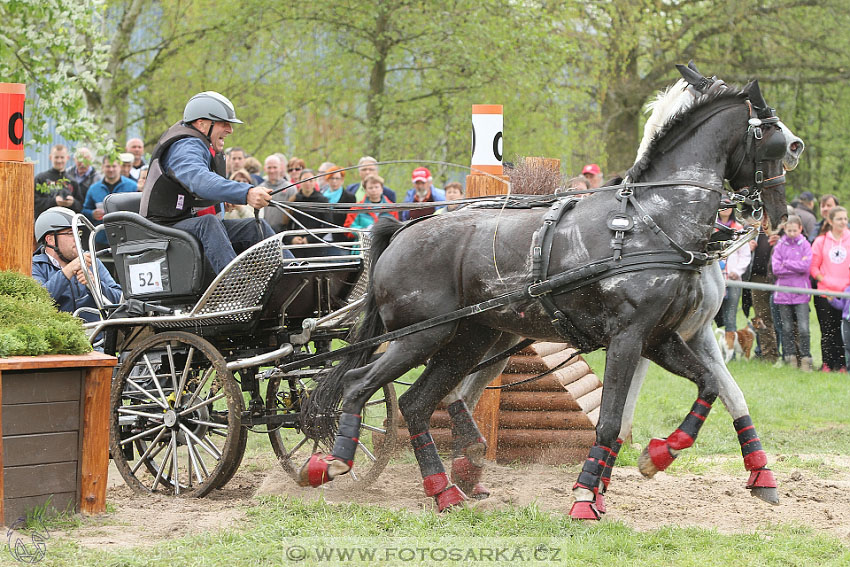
column 761, row 483
column 661, row 453
column 469, row 448
column 322, row 468
column 605, row 479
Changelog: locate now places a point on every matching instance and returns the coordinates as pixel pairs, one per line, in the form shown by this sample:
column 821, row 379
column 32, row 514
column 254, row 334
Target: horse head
column 768, row 149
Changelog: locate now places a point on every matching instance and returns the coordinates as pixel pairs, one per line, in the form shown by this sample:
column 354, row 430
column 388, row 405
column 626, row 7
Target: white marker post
column 487, row 126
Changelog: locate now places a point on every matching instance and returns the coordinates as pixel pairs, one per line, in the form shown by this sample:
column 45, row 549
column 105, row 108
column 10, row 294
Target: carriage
column 199, row 353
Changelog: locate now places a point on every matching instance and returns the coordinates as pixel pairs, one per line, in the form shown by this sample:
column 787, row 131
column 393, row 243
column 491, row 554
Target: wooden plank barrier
column 16, row 216
column 54, row 433
column 551, row 420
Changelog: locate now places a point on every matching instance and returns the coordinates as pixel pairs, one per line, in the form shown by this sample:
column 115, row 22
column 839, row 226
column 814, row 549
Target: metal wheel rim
column 378, row 439
column 184, row 445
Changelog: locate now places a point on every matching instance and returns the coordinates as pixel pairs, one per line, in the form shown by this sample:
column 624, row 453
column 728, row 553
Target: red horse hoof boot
column 762, row 485
column 600, row 503
column 657, row 456
column 466, row 475
column 450, row 497
column 480, row 492
column 584, row 510
column 320, row 469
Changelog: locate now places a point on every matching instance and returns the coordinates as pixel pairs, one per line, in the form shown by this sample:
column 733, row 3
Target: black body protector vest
column 165, row 199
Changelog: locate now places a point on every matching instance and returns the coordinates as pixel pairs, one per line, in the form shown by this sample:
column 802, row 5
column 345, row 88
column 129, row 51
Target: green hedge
column 31, row 325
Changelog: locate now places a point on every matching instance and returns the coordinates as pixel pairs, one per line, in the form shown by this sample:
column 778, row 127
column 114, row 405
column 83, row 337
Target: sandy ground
column 712, row 500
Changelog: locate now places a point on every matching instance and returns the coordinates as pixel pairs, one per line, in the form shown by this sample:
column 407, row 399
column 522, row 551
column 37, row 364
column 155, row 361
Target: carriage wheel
column 175, row 423
column 378, row 432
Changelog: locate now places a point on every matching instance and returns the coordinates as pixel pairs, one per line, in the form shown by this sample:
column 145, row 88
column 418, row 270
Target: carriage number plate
column 145, row 278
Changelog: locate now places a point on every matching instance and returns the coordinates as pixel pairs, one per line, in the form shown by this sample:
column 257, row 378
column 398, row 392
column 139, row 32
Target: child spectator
column 830, row 263
column 374, row 186
column 791, row 262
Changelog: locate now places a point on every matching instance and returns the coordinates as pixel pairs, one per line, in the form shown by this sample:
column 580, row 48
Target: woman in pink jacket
column 831, row 271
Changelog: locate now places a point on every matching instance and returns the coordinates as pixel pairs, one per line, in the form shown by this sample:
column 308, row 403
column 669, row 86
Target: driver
column 56, row 265
column 188, row 166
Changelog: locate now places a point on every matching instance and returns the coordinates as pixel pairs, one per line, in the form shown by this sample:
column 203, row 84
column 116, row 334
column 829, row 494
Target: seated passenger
column 56, row 265
column 188, row 164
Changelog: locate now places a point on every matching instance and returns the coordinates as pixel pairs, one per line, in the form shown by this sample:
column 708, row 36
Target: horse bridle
column 762, row 150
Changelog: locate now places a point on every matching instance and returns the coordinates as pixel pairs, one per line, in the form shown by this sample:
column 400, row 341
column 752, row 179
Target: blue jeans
column 729, row 308
column 222, row 239
column 795, row 321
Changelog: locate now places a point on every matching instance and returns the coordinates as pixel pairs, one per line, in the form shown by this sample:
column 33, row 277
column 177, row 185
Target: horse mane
column 671, row 109
column 530, row 177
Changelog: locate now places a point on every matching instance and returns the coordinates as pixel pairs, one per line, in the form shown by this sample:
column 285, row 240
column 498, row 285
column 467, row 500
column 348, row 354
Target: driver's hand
column 259, row 197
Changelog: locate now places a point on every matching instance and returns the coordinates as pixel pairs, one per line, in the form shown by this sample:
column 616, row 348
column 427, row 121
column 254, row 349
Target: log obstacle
column 551, row 420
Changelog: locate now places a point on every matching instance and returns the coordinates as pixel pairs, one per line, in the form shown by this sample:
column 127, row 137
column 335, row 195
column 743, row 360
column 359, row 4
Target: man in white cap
column 593, row 174
column 187, row 166
column 423, row 191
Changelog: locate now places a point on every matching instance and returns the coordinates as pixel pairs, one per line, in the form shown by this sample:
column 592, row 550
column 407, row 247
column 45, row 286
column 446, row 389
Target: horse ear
column 693, row 66
column 757, row 99
column 691, row 76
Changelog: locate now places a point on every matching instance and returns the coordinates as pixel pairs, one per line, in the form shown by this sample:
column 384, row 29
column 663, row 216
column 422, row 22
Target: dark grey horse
column 639, row 308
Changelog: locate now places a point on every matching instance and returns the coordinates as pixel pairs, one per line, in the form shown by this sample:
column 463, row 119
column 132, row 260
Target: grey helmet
column 52, row 220
column 212, row 106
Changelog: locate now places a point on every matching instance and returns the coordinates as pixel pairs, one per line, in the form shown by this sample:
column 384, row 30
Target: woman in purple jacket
column 792, row 258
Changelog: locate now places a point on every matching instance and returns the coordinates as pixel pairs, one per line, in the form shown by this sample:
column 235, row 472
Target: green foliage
column 30, row 323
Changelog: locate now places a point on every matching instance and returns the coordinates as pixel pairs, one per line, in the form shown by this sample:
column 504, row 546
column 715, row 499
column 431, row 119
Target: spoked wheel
column 378, row 432
column 175, row 423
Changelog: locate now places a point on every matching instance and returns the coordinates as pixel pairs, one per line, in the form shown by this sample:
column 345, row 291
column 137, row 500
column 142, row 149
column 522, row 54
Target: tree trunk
column 621, row 110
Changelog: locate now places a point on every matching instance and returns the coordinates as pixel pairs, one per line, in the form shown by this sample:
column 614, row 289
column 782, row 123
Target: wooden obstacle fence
column 551, row 420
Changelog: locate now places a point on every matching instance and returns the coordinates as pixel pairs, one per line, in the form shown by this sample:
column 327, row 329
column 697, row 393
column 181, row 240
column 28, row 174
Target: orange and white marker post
column 16, row 183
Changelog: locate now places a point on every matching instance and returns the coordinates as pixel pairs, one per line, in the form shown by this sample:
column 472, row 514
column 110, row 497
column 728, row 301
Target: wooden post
column 16, row 216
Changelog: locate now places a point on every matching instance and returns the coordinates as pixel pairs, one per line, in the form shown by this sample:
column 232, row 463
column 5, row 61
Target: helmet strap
column 56, row 249
column 209, row 132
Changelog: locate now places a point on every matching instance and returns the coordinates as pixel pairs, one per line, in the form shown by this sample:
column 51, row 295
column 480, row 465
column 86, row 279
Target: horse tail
column 320, row 409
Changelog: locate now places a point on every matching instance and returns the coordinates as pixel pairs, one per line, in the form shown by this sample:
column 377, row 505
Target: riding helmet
column 212, row 106
column 52, row 220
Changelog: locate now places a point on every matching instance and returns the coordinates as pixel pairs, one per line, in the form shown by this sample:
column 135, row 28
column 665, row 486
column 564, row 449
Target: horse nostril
column 796, row 147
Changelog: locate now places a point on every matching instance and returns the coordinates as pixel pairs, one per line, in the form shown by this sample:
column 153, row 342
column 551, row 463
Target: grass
column 278, row 531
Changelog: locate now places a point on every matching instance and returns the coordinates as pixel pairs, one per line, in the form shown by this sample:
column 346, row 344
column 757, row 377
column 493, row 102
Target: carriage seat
column 153, row 262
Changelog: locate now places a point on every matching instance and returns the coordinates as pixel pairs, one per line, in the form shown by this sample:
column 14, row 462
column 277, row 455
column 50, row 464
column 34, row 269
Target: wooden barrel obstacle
column 551, row 420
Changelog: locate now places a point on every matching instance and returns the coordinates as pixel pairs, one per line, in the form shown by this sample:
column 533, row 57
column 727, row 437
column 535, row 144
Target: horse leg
column 622, row 358
column 676, row 356
column 761, row 483
column 360, row 384
column 442, row 374
column 468, row 445
column 625, row 431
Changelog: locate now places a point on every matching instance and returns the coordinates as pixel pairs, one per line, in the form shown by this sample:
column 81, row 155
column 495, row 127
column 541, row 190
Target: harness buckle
column 759, row 177
column 536, row 286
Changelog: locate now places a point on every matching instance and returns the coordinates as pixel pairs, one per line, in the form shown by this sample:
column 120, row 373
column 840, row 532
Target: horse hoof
column 450, row 497
column 657, row 456
column 762, row 485
column 769, row 495
column 479, row 492
column 600, row 503
column 584, row 510
column 320, row 469
column 645, row 464
column 466, row 474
